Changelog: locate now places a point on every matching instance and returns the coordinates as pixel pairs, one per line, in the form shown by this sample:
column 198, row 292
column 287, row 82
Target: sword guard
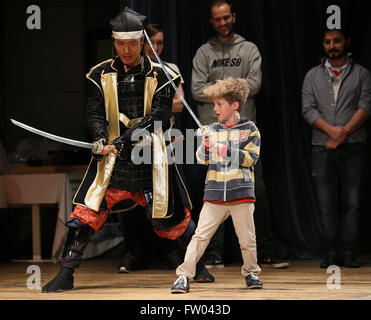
column 111, row 147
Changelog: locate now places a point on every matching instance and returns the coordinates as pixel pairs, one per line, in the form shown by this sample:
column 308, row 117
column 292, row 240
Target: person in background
column 156, row 34
column 336, row 101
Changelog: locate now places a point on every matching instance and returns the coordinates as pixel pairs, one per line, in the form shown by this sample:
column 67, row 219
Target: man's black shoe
column 214, row 261
column 329, row 261
column 350, row 262
column 127, row 264
column 273, row 263
column 203, row 275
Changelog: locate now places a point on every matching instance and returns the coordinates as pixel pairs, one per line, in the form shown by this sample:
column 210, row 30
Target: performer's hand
column 107, row 149
column 339, row 134
column 331, row 144
column 100, row 148
column 123, row 148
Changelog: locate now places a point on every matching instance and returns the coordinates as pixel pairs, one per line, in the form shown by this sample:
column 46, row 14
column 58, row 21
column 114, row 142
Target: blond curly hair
column 231, row 89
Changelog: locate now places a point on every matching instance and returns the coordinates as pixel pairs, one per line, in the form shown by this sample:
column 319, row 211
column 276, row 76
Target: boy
column 231, row 149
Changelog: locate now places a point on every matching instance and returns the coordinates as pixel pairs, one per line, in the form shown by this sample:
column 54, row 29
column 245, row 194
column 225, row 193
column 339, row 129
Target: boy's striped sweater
column 231, row 177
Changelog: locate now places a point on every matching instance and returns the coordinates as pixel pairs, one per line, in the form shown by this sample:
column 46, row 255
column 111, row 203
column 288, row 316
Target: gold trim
column 92, row 69
column 173, row 74
column 150, row 86
column 129, row 123
column 113, row 61
column 159, row 175
column 98, row 188
column 164, row 85
column 124, row 210
column 151, row 65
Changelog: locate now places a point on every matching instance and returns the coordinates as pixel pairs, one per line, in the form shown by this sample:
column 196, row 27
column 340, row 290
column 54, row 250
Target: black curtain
column 288, row 34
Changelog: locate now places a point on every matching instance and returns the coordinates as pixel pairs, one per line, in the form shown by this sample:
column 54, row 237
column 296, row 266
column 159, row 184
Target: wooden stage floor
column 96, row 279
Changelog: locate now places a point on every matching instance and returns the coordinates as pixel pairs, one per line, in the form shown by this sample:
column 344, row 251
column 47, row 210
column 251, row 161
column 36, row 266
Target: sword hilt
column 98, row 147
column 110, row 147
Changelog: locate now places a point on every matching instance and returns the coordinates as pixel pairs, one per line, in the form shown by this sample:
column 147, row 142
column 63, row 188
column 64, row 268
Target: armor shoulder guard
column 95, row 72
column 161, row 76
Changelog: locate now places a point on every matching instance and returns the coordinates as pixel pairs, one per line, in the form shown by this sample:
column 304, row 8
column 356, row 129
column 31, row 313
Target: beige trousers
column 211, row 216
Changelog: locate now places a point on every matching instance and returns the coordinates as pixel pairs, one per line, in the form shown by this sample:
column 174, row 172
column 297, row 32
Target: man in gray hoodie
column 230, row 55
column 227, row 55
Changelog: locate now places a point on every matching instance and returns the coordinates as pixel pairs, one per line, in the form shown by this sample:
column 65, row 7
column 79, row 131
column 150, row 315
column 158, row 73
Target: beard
column 338, row 54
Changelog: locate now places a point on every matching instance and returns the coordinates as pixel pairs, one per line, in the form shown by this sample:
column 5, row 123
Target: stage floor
column 96, row 279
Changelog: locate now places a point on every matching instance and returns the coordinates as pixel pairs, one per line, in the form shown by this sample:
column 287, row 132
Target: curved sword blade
column 54, row 137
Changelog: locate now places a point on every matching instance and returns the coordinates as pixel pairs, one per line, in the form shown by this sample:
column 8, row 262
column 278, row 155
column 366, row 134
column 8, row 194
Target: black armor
column 130, row 90
column 77, row 239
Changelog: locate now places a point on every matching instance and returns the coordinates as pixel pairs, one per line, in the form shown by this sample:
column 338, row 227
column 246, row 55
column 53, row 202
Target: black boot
column 63, row 281
column 77, row 239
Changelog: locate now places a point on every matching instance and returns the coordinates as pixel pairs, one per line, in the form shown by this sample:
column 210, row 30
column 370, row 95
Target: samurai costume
column 123, row 104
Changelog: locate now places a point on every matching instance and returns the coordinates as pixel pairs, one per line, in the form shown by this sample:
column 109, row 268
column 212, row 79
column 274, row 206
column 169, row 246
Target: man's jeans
column 337, row 176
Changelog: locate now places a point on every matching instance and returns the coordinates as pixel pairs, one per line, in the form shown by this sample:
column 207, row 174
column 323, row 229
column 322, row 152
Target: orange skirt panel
column 95, row 219
column 176, row 231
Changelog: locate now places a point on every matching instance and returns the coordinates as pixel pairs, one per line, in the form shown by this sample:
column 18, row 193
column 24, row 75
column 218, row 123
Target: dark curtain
column 288, row 34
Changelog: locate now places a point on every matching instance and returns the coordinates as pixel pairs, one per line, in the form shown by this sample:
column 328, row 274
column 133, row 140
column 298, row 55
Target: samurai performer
column 130, row 95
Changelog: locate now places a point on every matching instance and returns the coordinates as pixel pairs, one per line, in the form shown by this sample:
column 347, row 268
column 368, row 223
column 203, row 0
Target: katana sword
column 96, row 147
column 172, row 82
column 54, row 137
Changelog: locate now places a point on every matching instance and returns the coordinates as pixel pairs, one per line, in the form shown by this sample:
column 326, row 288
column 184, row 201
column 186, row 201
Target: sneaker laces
column 181, row 278
column 253, row 276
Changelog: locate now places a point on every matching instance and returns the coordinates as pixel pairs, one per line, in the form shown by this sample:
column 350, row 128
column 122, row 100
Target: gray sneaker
column 181, row 285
